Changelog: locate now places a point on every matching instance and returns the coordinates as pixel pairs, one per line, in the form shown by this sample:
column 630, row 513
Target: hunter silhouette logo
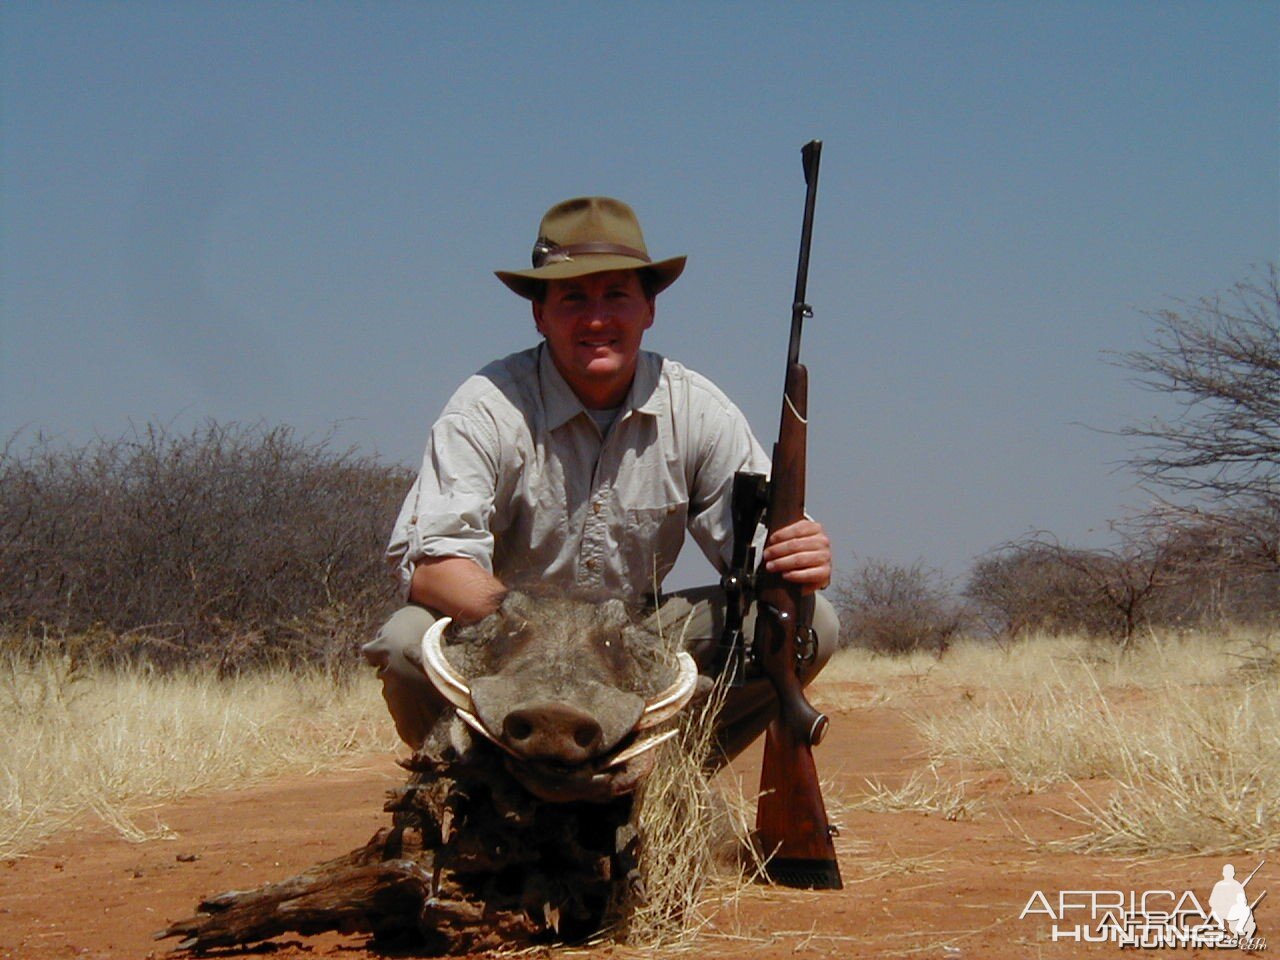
column 1230, row 906
column 1156, row 918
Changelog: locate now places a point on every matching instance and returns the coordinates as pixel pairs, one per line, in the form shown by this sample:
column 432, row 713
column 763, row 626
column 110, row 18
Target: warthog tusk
column 671, row 700
column 442, row 676
column 639, row 747
column 552, row 916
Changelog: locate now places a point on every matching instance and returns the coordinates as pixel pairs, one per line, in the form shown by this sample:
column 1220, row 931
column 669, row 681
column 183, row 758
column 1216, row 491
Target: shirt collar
column 562, row 404
column 645, row 396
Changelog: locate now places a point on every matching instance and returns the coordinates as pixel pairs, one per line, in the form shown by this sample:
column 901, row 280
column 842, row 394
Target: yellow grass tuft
column 696, row 834
column 1202, row 775
column 923, row 792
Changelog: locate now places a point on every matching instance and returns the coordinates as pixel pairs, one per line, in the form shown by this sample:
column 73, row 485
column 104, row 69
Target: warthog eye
column 614, row 654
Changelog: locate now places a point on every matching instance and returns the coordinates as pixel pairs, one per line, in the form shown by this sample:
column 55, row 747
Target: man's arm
column 457, row 587
column 442, row 544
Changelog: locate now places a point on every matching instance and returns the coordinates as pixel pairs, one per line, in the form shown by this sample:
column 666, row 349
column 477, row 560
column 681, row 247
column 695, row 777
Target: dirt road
column 916, row 885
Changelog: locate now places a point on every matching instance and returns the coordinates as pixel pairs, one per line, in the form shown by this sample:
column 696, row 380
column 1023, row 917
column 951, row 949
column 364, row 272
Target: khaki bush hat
column 589, row 235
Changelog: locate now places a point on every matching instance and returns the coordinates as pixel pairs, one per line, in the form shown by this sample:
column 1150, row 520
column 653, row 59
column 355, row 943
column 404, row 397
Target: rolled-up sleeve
column 449, row 508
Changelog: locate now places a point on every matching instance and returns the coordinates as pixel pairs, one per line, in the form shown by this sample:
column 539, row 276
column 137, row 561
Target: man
column 582, row 462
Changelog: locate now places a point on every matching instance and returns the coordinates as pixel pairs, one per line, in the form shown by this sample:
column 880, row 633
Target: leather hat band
column 548, row 251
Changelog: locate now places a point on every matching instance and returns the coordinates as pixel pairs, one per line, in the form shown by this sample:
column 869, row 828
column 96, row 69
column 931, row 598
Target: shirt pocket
column 652, row 542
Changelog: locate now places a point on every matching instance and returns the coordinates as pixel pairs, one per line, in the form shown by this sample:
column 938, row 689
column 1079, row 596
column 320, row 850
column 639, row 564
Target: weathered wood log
column 470, row 862
column 378, row 898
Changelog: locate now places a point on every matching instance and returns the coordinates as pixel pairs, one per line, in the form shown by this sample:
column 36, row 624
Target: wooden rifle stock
column 791, row 819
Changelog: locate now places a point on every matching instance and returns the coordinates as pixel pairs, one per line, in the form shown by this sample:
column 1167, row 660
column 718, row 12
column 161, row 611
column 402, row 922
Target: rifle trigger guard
column 806, row 642
column 806, row 645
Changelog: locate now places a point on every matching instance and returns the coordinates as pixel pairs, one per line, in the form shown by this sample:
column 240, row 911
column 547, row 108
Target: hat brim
column 526, row 283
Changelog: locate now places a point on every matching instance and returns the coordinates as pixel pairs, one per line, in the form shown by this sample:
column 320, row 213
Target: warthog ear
column 518, row 606
column 614, row 610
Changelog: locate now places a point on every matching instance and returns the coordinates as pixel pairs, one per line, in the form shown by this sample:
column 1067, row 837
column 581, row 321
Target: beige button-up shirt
column 517, row 477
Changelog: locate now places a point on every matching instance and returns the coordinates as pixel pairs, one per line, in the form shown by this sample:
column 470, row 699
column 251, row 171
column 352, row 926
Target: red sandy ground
column 915, row 885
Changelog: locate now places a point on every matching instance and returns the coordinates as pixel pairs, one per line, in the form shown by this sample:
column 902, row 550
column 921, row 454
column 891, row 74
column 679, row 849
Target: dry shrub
column 890, row 608
column 233, row 544
column 1177, row 569
column 1042, row 585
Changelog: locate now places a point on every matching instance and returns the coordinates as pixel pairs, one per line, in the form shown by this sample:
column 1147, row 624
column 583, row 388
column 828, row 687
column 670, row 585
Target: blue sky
column 289, row 212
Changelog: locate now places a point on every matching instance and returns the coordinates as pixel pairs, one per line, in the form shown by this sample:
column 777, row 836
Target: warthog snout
column 552, row 731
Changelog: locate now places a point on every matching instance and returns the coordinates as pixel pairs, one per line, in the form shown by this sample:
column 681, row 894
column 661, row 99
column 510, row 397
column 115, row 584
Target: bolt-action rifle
column 791, row 820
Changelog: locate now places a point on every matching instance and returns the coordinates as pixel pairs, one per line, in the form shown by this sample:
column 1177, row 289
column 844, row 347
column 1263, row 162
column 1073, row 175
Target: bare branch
column 1219, row 359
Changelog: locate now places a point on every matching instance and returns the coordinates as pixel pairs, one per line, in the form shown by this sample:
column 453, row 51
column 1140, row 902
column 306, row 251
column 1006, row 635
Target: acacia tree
column 1219, row 358
column 1221, row 566
column 1039, row 583
column 1215, row 554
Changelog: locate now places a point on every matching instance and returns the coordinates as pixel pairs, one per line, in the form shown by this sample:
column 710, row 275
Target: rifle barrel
column 1250, row 876
column 811, row 156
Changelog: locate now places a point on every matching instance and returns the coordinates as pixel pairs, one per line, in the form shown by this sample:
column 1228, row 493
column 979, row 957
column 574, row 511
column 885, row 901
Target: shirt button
column 595, row 506
column 591, row 564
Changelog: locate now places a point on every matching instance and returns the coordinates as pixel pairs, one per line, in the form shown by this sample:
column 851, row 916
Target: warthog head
column 572, row 692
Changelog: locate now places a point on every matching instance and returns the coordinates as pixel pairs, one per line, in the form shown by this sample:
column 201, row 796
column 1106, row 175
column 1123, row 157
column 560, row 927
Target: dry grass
column 1202, row 776
column 923, row 792
column 872, row 869
column 1179, row 733
column 1158, row 660
column 696, row 833
column 114, row 742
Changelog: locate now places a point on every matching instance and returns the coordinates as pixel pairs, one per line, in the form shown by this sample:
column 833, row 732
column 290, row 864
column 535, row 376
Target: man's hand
column 801, row 553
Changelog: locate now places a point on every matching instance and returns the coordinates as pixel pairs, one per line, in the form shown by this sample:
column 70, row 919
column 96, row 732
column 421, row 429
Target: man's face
column 593, row 326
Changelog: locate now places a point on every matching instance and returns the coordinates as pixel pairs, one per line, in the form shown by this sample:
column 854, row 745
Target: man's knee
column 396, row 651
column 398, row 644
column 826, row 630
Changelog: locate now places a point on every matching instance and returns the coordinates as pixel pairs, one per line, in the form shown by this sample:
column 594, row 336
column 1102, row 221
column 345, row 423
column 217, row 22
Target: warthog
column 570, row 692
column 516, row 825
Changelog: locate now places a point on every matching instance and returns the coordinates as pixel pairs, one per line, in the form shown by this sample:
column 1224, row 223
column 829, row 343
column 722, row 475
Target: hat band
column 548, row 251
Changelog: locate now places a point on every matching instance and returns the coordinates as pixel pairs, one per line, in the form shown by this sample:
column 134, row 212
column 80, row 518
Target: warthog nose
column 552, row 731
